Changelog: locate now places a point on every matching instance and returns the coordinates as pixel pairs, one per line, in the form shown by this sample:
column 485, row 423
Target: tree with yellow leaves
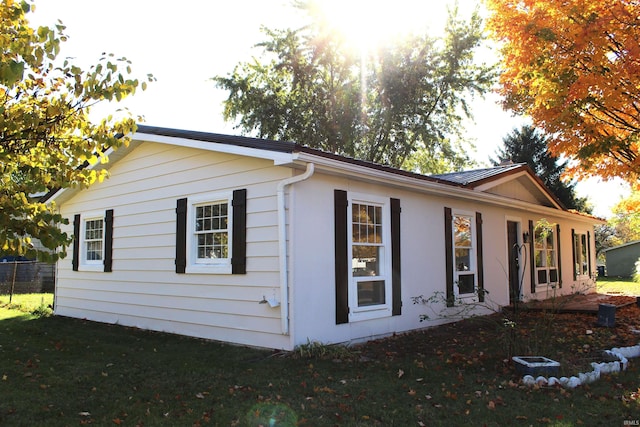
column 46, row 135
column 573, row 67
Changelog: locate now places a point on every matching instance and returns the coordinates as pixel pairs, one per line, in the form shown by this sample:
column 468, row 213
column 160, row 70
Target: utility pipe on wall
column 282, row 243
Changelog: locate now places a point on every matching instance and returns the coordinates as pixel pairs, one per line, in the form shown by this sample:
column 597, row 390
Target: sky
column 185, row 44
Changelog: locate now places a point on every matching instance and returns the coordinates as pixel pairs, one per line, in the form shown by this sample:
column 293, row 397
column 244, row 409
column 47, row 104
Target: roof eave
column 428, row 185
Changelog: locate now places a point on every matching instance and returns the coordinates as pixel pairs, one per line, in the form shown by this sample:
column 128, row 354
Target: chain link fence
column 25, row 277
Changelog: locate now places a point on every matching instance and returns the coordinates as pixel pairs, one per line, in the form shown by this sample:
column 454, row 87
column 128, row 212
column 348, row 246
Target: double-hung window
column 580, row 254
column 464, row 253
column 212, row 231
column 370, row 256
column 93, row 241
column 546, row 255
column 209, row 245
column 211, row 236
column 367, row 256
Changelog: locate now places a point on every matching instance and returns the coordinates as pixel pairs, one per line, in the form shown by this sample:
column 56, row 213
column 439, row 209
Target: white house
column 273, row 244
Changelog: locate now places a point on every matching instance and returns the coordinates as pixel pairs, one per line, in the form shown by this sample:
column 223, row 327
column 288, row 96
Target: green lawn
column 59, row 372
column 616, row 285
column 19, row 304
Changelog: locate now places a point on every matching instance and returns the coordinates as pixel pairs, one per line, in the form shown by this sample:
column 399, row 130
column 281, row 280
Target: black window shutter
column 341, row 262
column 396, row 289
column 575, row 259
column 559, row 256
column 181, row 236
column 108, row 241
column 448, row 249
column 239, row 232
column 479, row 257
column 76, row 242
column 532, row 255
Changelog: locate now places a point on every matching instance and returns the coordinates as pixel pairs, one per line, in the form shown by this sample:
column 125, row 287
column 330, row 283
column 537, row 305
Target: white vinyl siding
column 144, row 290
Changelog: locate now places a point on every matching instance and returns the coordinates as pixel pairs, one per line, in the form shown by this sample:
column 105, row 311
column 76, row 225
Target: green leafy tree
column 625, row 219
column 401, row 105
column 528, row 145
column 47, row 139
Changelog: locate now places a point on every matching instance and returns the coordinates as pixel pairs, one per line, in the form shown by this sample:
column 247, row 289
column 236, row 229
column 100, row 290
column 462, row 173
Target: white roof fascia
column 279, row 158
column 358, row 172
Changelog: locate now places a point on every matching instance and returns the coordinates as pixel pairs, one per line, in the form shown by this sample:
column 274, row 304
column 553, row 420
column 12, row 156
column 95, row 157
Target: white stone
column 573, row 382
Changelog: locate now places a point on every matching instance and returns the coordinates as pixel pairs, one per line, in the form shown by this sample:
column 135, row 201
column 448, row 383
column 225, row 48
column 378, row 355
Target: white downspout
column 282, row 243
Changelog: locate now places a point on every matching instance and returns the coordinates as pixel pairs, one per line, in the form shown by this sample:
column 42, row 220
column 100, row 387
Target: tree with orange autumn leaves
column 573, row 66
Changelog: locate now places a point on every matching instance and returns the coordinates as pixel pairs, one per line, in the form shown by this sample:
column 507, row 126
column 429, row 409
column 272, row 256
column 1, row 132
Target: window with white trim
column 581, row 254
column 212, row 231
column 92, row 242
column 93, row 239
column 370, row 257
column 209, row 243
column 464, row 253
column 546, row 255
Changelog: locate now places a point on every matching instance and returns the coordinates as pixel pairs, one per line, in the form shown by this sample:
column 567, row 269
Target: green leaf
column 11, row 72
